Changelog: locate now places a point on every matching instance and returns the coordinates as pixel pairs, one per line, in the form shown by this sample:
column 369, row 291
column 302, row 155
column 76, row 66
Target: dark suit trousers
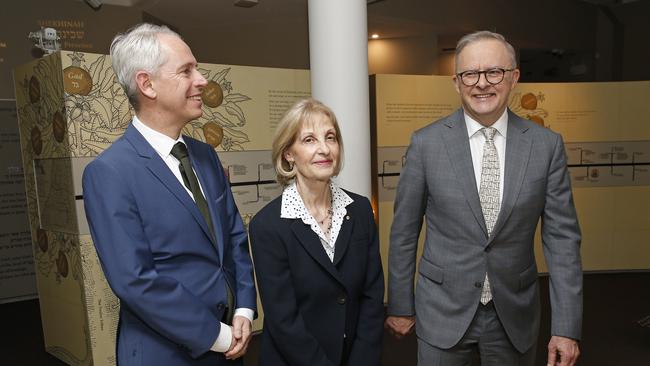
column 485, row 336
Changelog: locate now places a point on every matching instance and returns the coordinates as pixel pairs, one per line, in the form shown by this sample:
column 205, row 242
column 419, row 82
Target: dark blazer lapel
column 158, row 167
column 460, row 156
column 343, row 239
column 200, row 164
column 518, row 147
column 310, row 241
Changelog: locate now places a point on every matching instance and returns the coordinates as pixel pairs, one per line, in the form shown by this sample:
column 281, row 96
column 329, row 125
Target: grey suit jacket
column 438, row 183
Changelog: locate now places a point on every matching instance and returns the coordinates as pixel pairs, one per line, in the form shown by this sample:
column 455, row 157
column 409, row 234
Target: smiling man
column 167, row 232
column 483, row 177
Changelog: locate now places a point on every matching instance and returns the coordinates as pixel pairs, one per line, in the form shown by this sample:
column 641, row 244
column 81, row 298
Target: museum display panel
column 70, row 109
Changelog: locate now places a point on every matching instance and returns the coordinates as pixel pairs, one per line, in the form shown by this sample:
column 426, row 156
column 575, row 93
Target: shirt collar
column 474, row 126
column 294, row 208
column 162, row 143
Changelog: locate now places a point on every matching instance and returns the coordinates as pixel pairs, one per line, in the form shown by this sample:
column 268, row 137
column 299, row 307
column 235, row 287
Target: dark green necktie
column 179, row 151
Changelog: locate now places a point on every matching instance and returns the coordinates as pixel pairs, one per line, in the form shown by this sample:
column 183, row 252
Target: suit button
column 478, row 284
column 220, row 306
column 341, row 300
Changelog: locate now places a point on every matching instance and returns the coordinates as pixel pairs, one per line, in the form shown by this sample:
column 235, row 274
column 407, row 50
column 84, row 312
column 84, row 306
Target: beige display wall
column 614, row 214
column 70, row 109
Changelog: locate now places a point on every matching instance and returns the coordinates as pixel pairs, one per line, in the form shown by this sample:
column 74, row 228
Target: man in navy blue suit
column 168, row 234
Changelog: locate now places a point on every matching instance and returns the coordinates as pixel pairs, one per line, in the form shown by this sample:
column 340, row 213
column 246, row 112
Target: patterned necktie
column 179, row 151
column 489, row 193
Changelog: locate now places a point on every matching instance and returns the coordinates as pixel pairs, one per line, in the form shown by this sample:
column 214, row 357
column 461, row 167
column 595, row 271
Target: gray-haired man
column 483, row 177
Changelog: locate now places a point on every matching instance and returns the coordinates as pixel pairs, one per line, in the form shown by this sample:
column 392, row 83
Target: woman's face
column 315, row 152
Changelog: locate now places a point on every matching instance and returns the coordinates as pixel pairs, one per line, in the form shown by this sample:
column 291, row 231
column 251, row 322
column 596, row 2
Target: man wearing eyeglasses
column 483, row 177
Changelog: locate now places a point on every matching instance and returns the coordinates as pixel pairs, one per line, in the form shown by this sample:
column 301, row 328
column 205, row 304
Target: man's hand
column 241, row 335
column 399, row 326
column 562, row 351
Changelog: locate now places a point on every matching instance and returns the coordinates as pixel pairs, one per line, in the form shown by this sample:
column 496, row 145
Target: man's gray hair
column 481, row 36
column 138, row 49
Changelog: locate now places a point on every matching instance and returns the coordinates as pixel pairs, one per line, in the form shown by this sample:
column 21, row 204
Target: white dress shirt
column 163, row 145
column 477, row 141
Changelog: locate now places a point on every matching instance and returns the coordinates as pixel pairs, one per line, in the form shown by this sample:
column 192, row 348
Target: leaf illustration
column 198, row 134
column 204, row 72
column 96, row 66
column 97, row 146
column 223, row 121
column 107, row 80
column 236, row 98
column 236, row 146
column 236, row 111
column 236, row 136
column 221, row 75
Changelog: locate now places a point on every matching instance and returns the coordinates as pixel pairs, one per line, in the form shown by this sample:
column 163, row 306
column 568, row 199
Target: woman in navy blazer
column 316, row 253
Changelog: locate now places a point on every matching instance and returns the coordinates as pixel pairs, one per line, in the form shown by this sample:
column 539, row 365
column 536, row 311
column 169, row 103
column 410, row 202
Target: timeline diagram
column 252, row 178
column 390, row 161
column 603, row 164
column 591, row 164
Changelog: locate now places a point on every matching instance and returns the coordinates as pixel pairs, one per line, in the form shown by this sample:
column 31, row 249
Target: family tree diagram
column 616, row 163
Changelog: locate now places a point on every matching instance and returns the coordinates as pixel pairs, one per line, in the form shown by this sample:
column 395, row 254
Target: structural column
column 338, row 48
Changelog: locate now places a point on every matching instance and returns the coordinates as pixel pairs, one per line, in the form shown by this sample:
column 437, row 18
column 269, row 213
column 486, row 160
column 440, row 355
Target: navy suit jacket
column 158, row 256
column 318, row 312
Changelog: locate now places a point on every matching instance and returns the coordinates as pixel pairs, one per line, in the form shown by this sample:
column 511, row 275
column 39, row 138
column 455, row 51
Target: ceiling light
column 95, row 4
column 374, row 36
column 246, row 3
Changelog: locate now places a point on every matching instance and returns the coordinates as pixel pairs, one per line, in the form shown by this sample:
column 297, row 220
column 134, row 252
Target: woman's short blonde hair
column 303, row 112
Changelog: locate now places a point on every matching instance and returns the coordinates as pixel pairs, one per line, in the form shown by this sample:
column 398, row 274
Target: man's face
column 178, row 83
column 485, row 102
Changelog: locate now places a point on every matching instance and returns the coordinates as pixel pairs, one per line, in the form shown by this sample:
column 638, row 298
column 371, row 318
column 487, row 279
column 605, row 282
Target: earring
column 290, row 165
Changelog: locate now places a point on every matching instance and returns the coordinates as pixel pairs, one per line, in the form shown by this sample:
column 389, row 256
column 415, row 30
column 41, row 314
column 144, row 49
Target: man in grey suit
column 483, row 177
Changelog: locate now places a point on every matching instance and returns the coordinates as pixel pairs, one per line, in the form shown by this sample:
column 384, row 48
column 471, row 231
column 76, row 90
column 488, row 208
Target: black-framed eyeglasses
column 493, row 76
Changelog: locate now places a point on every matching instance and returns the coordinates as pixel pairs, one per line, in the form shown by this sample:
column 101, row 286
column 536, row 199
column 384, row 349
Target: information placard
column 16, row 260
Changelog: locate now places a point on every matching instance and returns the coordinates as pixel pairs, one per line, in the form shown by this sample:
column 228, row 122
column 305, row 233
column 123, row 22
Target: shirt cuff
column 246, row 313
column 222, row 344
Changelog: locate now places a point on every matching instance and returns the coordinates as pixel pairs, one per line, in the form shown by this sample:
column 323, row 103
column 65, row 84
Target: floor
column 616, row 328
